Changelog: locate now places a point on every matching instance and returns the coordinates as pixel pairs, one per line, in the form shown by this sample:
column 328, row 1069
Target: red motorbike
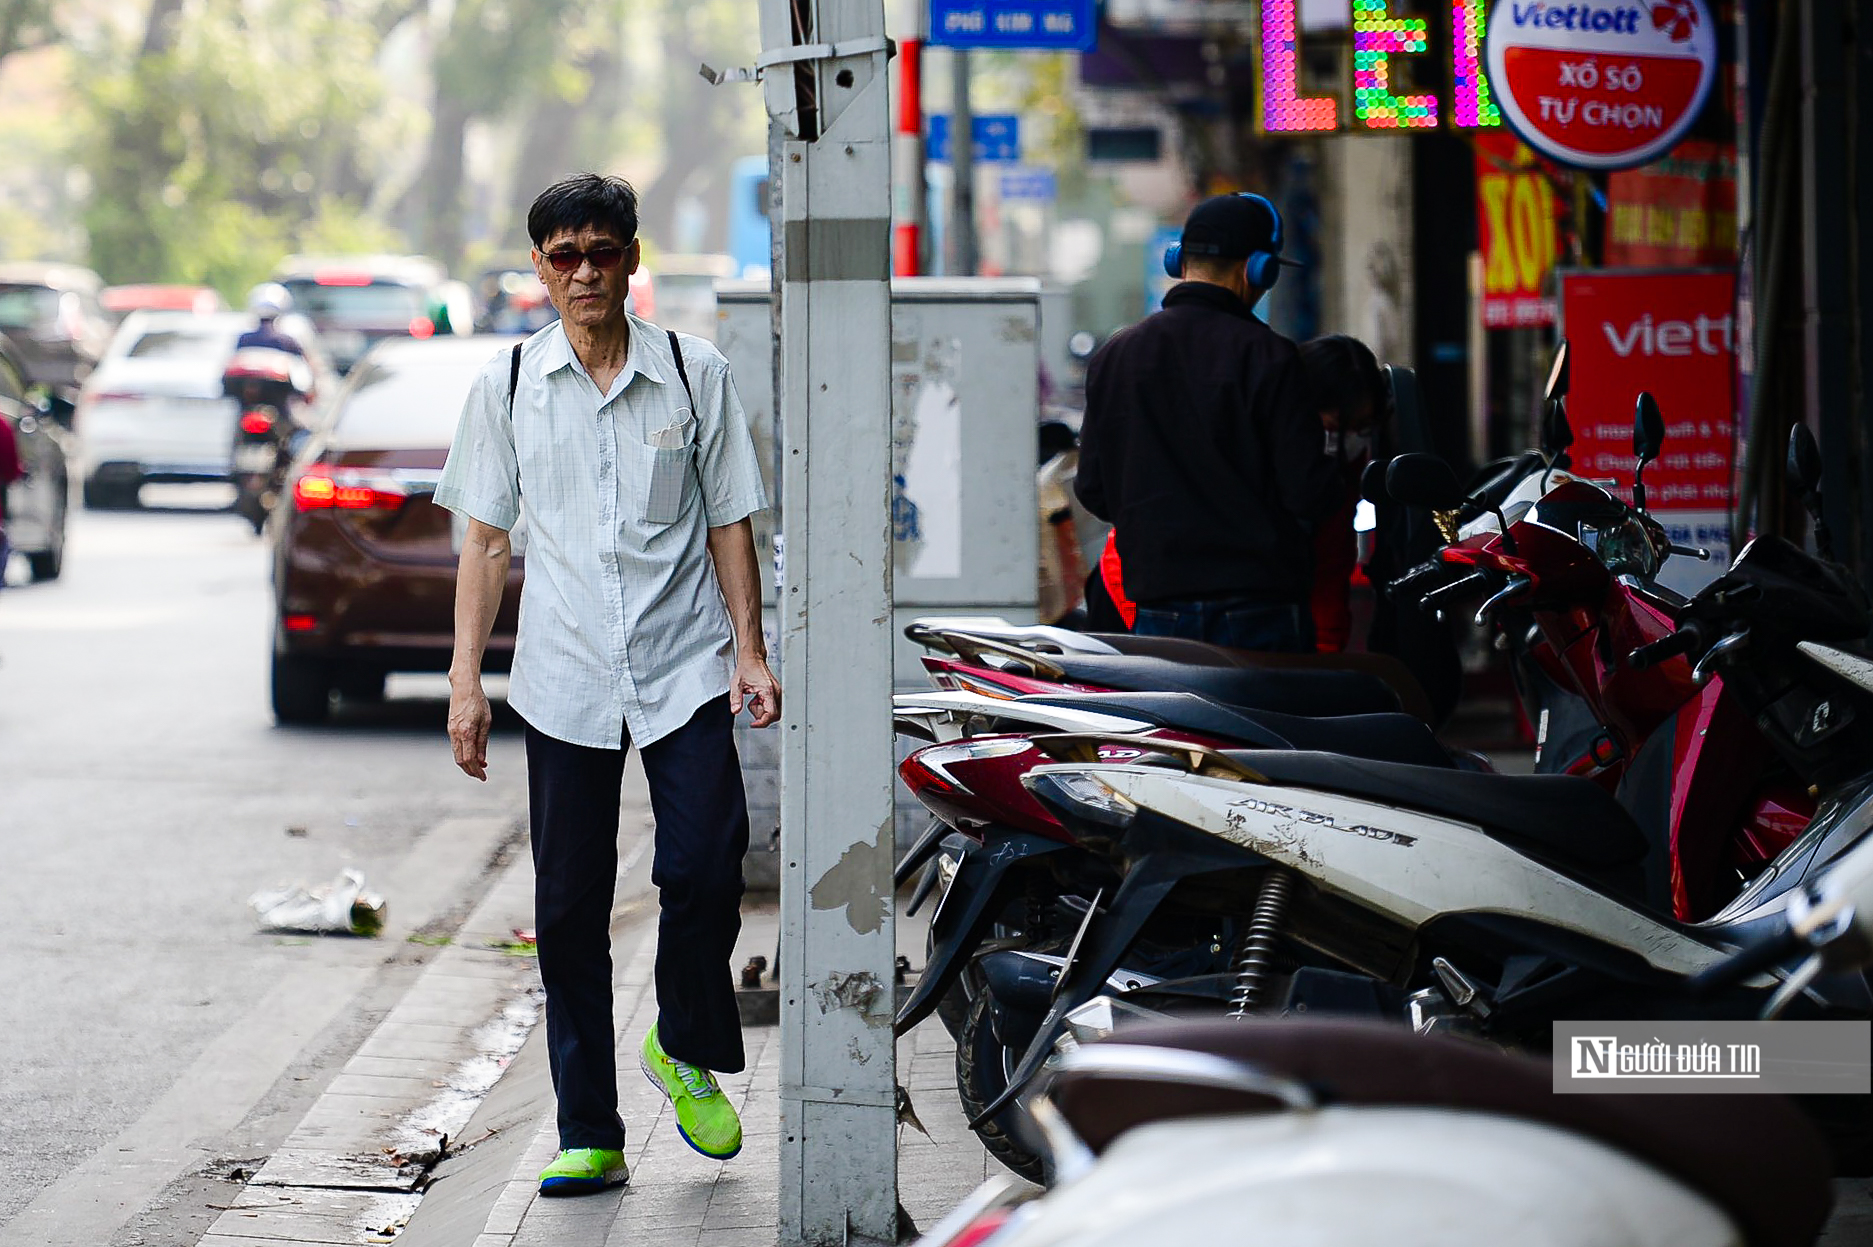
column 1599, row 646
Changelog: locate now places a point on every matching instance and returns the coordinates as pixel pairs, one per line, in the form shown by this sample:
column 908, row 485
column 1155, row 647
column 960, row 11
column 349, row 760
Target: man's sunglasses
column 603, row 258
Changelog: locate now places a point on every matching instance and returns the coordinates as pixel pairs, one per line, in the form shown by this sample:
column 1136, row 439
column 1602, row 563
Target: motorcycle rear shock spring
column 1255, row 954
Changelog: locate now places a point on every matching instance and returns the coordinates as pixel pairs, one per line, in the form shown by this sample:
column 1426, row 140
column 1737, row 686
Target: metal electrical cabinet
column 965, row 372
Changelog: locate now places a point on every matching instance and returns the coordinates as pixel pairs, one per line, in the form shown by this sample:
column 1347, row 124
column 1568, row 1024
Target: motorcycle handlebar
column 1687, row 638
column 1435, row 599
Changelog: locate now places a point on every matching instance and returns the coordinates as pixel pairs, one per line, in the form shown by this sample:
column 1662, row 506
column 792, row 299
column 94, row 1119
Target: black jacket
column 1201, row 444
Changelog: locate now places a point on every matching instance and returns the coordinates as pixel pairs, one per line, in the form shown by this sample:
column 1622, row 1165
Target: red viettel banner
column 1601, row 84
column 1672, row 333
column 1515, row 232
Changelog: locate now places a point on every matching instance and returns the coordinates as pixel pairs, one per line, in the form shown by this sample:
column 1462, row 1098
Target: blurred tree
column 569, row 117
column 212, row 146
column 25, row 25
column 491, row 58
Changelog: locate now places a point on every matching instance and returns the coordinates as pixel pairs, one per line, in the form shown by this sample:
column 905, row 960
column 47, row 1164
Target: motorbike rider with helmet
column 268, row 367
column 269, row 376
column 268, row 303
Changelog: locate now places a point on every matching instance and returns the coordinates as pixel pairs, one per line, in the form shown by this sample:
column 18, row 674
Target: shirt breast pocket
column 671, row 475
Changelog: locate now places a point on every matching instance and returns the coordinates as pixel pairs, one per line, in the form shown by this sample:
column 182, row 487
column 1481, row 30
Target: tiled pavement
column 677, row 1198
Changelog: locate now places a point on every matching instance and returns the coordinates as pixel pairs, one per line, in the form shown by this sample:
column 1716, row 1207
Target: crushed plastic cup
column 341, row 907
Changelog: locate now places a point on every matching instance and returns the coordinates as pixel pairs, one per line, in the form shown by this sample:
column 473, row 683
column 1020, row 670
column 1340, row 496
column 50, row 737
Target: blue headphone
column 1263, row 268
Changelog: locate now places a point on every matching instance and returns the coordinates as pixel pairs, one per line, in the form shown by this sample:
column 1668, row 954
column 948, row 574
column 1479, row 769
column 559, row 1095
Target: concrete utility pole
column 825, row 83
column 962, row 166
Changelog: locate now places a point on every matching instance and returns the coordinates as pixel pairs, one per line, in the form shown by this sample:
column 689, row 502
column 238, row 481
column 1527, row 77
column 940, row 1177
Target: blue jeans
column 1240, row 623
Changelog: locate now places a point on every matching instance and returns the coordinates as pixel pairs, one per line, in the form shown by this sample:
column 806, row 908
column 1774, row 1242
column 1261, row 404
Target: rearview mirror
column 1804, row 461
column 1372, row 482
column 1648, row 438
column 1422, row 480
column 1556, row 433
column 1804, row 473
column 1648, row 428
column 1407, row 420
column 1556, row 388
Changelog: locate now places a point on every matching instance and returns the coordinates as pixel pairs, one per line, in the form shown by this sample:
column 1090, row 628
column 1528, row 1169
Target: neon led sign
column 1284, row 110
column 1380, row 35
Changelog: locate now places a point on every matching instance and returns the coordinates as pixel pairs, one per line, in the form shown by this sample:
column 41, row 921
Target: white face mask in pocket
column 679, row 433
column 670, row 453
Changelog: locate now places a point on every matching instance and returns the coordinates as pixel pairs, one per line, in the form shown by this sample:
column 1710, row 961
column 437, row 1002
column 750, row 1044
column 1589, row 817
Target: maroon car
column 364, row 561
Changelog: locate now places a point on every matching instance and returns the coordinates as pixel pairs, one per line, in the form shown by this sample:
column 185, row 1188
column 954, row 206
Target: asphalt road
column 145, row 794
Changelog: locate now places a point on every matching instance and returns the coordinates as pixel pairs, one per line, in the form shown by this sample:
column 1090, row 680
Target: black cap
column 1232, row 226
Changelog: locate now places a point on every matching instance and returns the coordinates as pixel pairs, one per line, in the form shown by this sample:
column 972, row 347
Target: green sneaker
column 582, row 1170
column 704, row 1117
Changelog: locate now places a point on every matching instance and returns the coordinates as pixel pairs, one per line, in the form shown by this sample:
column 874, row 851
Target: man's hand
column 754, row 685
column 469, row 720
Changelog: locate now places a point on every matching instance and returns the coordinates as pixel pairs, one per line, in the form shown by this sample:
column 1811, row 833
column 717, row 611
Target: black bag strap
column 681, row 372
column 676, row 351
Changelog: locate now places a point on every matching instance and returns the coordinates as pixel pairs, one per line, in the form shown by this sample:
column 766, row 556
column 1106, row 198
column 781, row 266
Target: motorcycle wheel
column 983, row 1067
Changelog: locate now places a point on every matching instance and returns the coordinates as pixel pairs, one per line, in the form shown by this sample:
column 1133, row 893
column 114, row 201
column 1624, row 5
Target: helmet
column 269, row 299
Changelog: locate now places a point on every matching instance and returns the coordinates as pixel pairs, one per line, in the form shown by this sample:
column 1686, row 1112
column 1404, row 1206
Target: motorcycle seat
column 1389, row 737
column 1573, row 818
column 1756, row 1156
column 1308, row 693
column 1176, row 649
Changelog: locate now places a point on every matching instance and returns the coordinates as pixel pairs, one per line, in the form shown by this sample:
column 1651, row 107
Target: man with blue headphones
column 1202, row 445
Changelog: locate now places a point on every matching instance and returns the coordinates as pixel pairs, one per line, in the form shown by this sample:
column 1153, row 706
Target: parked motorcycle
column 1493, row 904
column 1339, row 1132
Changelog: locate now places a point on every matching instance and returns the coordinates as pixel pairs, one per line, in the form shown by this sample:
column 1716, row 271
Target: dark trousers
column 1240, row 623
column 702, row 835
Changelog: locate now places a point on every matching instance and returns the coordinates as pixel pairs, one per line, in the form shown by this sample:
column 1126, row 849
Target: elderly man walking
column 625, row 451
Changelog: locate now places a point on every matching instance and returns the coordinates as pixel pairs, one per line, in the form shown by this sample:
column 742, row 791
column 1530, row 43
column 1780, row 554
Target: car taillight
column 256, row 422
column 325, row 488
column 422, row 327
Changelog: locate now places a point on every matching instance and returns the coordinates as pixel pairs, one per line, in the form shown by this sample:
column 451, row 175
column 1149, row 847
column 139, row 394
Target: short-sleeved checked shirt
column 622, row 623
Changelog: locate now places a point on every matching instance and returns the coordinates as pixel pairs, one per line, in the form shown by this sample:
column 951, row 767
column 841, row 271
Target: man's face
column 588, row 296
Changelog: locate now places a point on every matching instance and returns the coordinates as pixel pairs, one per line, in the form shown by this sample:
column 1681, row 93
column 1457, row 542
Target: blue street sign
column 998, row 138
column 1043, row 25
column 1036, row 184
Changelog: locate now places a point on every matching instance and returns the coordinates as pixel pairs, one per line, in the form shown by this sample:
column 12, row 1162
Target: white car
column 154, row 409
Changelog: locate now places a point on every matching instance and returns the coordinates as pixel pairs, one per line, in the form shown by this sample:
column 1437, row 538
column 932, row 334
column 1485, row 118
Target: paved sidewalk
column 677, row 1198
column 352, row 1170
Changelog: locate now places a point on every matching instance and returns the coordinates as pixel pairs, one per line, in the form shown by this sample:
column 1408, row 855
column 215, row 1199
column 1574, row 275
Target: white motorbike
column 1331, row 1133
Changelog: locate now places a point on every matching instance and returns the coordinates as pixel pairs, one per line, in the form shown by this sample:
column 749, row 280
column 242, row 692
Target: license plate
column 257, row 458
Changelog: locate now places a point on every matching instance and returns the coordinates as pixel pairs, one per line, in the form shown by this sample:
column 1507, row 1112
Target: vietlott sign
column 1595, row 83
column 1601, row 84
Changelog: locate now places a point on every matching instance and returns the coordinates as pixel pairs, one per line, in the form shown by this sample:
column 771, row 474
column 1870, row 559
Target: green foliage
column 223, row 134
column 212, row 157
column 26, row 24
